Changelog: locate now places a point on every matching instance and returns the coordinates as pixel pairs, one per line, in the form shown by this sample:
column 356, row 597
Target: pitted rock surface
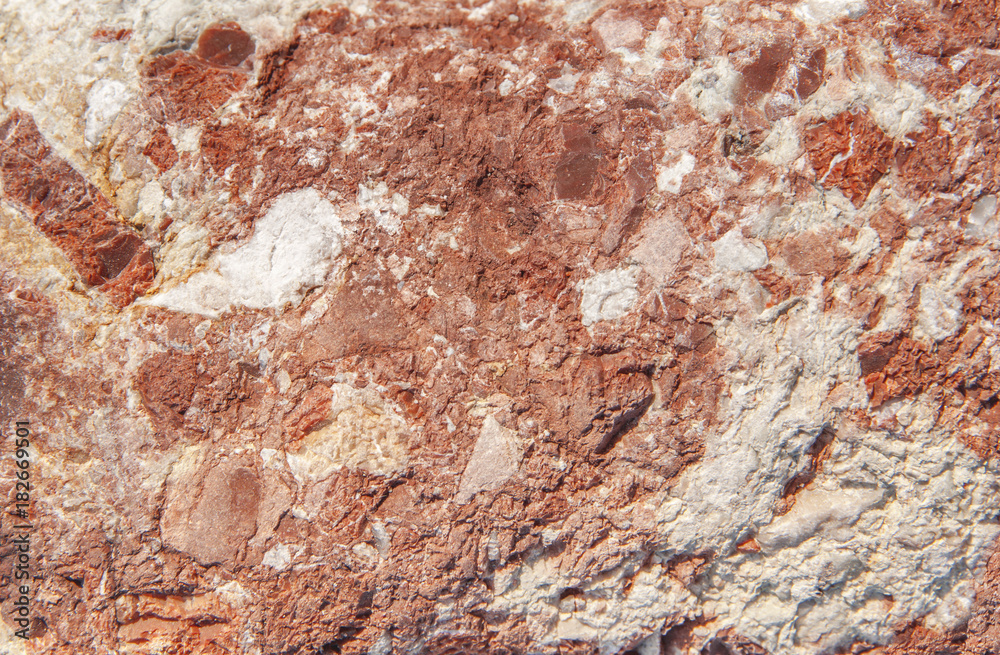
column 504, row 327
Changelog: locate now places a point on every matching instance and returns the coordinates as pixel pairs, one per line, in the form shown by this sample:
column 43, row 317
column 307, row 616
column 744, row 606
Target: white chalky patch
column 825, row 11
column 670, row 178
column 104, row 101
column 495, row 459
column 710, row 88
column 293, row 249
column 608, row 295
column 280, row 556
column 735, row 253
column 387, row 208
column 617, row 31
column 566, row 82
column 982, row 218
column 939, row 314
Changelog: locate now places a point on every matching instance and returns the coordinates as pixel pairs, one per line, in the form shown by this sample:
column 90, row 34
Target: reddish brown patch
column 170, row 621
column 923, row 30
column 228, row 145
column 611, row 394
column 779, row 287
column 978, row 19
column 814, row 253
column 167, row 383
column 324, row 21
column 926, row 161
column 182, row 88
column 160, row 150
column 849, row 152
column 410, row 404
column 311, row 410
column 760, row 76
column 72, row 213
column 810, row 75
column 224, row 44
column 578, row 170
column 190, row 393
column 896, row 366
column 11, row 377
column 941, row 29
column 274, row 71
column 955, row 370
column 983, row 300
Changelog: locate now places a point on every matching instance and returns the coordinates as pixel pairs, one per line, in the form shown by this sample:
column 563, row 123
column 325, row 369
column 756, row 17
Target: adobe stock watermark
column 20, row 534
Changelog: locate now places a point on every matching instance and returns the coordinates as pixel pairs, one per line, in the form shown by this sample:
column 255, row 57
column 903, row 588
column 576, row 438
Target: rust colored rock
column 224, row 44
column 810, row 76
column 315, row 407
column 224, row 146
column 182, row 88
column 108, row 34
column 849, row 152
column 759, row 77
column 517, row 328
column 594, row 401
column 325, row 21
column 212, row 513
column 167, row 383
column 72, row 213
column 899, row 367
column 981, row 19
column 876, row 353
column 161, row 151
column 810, row 252
column 198, row 623
column 11, row 378
column 926, row 161
column 577, row 172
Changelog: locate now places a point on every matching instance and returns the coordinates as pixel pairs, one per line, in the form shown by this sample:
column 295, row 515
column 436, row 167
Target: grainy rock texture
column 503, row 327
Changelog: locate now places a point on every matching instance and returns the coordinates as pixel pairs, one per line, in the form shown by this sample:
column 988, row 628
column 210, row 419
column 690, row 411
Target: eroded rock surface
column 504, row 327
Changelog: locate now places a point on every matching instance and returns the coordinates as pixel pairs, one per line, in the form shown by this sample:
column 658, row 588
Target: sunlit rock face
column 503, row 327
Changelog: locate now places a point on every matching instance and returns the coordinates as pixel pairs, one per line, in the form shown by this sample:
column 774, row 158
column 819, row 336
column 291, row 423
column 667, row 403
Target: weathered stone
column 506, row 327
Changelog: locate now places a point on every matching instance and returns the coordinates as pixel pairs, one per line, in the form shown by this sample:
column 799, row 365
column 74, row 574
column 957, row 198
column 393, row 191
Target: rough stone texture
column 503, row 327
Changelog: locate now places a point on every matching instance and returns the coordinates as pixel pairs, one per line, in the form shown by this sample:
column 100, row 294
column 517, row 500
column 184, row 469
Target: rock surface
column 503, row 327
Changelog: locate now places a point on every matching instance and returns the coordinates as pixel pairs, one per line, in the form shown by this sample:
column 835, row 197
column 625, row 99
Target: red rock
column 849, row 152
column 810, row 76
column 457, row 306
column 810, row 252
column 167, row 383
column 224, row 44
column 72, row 213
column 182, row 88
column 107, row 34
column 759, row 77
column 161, row 151
column 213, row 512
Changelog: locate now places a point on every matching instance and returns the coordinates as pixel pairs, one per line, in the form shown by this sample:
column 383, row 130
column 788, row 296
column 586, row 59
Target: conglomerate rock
column 501, row 327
